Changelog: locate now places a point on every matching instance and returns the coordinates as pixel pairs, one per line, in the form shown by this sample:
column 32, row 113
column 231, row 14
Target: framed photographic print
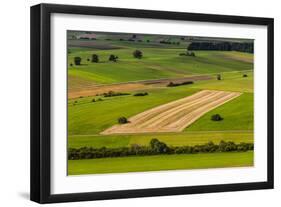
column 133, row 103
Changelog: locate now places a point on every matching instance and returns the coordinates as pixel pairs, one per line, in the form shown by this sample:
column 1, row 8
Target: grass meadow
column 160, row 162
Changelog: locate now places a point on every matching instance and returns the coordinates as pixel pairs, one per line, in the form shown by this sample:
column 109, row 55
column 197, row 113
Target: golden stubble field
column 174, row 116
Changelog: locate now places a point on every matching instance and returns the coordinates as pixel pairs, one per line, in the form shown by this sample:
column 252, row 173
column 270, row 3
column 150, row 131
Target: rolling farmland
column 178, row 116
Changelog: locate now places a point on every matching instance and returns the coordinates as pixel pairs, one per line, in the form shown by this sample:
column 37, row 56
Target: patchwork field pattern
column 174, row 116
column 93, row 89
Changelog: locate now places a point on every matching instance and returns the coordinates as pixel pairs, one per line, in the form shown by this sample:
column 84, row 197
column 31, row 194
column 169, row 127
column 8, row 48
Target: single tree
column 158, row 147
column 95, row 58
column 122, row 120
column 137, row 54
column 77, row 60
column 218, row 77
column 216, row 117
column 113, row 58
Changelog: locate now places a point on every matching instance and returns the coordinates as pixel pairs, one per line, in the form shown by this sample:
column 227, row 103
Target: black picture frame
column 41, row 96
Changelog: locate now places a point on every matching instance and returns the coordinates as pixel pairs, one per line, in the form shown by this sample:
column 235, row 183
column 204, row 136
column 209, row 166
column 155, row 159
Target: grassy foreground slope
column 160, row 162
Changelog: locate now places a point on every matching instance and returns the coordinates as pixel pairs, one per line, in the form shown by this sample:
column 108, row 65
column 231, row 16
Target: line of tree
column 95, row 58
column 172, row 84
column 223, row 46
column 141, row 94
column 156, row 147
column 169, row 42
column 113, row 93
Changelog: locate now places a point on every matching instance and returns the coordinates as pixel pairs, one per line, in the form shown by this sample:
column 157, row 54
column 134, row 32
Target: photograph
column 155, row 102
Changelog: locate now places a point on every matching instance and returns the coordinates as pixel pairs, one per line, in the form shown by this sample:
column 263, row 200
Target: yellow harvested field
column 174, row 116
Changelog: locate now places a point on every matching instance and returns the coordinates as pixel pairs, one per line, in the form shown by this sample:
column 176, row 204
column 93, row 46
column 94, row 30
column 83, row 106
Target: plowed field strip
column 176, row 115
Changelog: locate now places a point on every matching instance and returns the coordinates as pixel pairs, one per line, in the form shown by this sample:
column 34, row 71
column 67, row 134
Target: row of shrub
column 132, row 40
column 172, row 84
column 169, row 42
column 156, row 147
column 141, row 94
column 188, row 53
column 112, row 93
column 98, row 99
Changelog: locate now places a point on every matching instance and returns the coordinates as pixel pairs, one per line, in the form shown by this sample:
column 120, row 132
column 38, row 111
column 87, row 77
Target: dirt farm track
column 174, row 116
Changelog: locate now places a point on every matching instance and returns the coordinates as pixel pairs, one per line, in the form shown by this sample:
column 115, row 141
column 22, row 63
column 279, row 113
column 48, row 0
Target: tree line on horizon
column 222, row 46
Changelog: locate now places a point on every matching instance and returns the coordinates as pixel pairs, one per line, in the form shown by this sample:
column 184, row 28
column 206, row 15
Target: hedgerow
column 112, row 93
column 172, row 84
column 156, row 147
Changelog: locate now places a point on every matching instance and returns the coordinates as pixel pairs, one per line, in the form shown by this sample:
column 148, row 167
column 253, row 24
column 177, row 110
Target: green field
column 87, row 119
column 156, row 63
column 237, row 114
column 161, row 162
column 231, row 81
column 174, row 139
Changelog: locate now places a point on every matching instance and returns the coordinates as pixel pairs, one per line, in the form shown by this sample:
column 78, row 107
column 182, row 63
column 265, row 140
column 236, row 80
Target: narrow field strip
column 85, row 88
column 176, row 115
column 161, row 162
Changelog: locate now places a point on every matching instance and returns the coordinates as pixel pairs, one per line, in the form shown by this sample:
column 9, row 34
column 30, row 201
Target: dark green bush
column 216, row 117
column 141, row 94
column 158, row 147
column 113, row 58
column 137, row 54
column 112, row 93
column 77, row 60
column 122, row 120
column 172, row 84
column 95, row 58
